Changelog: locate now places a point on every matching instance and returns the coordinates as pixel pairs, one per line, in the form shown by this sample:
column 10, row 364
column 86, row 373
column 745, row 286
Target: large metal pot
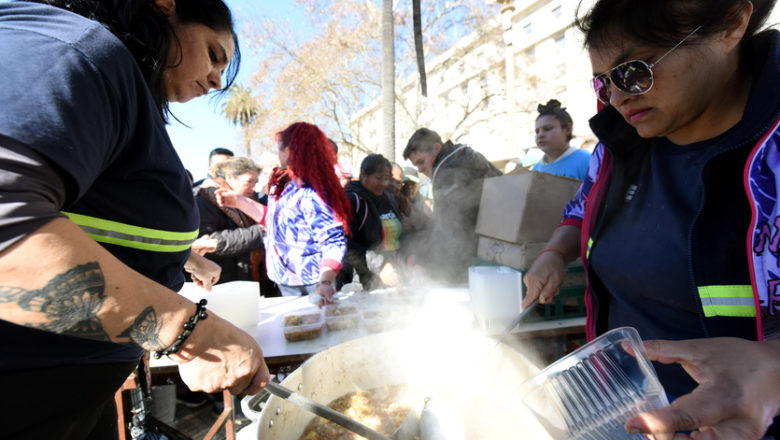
column 466, row 371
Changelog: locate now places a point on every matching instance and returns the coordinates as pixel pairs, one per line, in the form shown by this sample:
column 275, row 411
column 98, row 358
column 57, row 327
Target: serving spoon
column 406, row 431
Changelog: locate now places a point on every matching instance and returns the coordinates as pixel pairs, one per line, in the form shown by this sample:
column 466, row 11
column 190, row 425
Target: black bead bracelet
column 189, row 326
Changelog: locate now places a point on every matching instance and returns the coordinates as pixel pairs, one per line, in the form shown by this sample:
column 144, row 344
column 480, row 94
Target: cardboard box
column 523, row 207
column 518, row 256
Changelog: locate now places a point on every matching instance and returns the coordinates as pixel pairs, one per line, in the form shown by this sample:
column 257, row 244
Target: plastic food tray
column 592, row 392
column 341, row 316
column 385, row 318
column 303, row 324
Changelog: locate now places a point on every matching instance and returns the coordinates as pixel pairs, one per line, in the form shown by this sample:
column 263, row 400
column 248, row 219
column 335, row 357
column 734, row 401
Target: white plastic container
column 496, row 294
column 592, row 392
column 236, row 301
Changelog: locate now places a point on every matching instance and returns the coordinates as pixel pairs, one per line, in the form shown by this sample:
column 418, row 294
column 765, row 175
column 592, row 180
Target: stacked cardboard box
column 518, row 213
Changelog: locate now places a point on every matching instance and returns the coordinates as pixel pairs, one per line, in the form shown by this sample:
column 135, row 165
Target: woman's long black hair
column 146, row 32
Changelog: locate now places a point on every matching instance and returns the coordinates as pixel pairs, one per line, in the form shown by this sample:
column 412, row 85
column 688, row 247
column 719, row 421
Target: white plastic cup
column 496, row 295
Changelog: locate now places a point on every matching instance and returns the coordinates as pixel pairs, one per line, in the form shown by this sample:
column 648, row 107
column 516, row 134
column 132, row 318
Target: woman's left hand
column 205, row 273
column 738, row 392
column 388, row 275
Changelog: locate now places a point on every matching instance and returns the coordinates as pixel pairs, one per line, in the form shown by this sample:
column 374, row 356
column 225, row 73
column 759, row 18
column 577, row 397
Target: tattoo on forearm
column 70, row 303
column 145, row 330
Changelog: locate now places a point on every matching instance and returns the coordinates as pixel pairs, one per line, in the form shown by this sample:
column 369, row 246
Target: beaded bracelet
column 189, row 326
column 551, row 250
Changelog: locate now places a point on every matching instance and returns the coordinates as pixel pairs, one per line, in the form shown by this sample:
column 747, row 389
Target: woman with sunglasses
column 677, row 220
column 97, row 216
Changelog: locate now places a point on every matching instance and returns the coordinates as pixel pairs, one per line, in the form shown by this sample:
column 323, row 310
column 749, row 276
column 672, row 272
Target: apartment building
column 467, row 85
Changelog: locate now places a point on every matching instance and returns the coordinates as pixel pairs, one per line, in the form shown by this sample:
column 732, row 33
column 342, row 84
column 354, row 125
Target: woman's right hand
column 543, row 280
column 204, row 245
column 227, row 198
column 218, row 356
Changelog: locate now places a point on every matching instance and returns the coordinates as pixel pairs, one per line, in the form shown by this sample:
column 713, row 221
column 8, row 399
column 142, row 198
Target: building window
column 527, row 28
column 561, row 41
column 556, row 12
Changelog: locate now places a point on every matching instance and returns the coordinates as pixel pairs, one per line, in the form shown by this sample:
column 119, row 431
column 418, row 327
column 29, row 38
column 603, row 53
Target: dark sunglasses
column 634, row 77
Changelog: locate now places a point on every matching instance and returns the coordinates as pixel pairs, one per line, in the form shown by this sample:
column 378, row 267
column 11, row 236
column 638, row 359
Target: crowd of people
column 311, row 229
column 100, row 224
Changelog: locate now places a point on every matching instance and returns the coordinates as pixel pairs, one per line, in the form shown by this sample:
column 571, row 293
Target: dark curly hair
column 553, row 108
column 374, row 163
column 146, row 32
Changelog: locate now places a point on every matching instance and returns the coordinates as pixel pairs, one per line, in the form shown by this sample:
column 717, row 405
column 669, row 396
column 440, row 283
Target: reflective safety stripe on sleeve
column 733, row 300
column 136, row 237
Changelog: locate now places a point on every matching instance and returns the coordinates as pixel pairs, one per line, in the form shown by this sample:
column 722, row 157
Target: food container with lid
column 592, row 392
column 340, row 316
column 303, row 324
column 386, row 316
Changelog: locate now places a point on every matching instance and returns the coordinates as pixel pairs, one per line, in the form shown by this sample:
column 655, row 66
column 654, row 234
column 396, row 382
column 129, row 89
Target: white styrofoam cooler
column 496, row 294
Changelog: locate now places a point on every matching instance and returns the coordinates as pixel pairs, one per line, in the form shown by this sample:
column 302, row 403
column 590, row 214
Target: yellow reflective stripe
column 587, row 251
column 136, row 237
column 735, row 300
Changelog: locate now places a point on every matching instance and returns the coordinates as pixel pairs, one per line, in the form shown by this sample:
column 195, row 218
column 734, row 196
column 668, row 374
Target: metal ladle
column 406, row 431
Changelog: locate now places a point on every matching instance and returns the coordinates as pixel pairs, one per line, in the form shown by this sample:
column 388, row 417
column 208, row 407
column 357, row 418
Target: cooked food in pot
column 382, row 409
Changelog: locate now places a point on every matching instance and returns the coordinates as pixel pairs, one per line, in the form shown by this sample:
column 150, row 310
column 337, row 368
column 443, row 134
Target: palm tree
column 242, row 109
column 418, row 45
column 388, row 81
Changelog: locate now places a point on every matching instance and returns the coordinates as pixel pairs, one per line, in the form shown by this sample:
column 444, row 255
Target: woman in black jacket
column 231, row 238
column 376, row 225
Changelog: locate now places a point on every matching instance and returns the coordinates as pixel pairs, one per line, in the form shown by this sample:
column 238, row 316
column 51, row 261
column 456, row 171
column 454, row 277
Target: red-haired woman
column 308, row 214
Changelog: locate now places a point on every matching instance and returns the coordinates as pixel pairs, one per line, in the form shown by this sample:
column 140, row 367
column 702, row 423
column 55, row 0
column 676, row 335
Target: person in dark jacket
column 216, row 157
column 228, row 236
column 676, row 221
column 376, row 226
column 96, row 211
column 457, row 173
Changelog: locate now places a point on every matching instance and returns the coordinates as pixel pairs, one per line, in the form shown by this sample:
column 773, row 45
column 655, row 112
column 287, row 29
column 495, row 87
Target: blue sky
column 208, row 128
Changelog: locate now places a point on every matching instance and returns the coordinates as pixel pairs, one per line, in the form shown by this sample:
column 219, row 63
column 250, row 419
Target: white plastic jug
column 496, row 294
column 235, row 301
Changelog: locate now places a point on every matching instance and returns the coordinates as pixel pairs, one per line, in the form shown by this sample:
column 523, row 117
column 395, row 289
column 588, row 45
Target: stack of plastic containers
column 592, row 392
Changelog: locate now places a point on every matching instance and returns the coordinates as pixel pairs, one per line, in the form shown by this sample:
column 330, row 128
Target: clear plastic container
column 592, row 392
column 386, row 316
column 303, row 324
column 341, row 316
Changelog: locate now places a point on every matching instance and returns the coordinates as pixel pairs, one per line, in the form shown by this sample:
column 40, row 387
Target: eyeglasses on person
column 634, row 77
